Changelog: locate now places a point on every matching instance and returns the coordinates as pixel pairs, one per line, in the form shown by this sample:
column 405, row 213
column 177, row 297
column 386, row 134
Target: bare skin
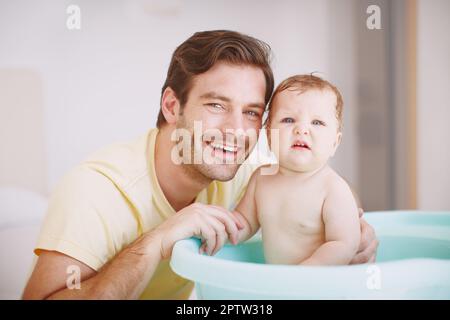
column 298, row 228
column 307, row 212
column 243, row 89
column 224, row 97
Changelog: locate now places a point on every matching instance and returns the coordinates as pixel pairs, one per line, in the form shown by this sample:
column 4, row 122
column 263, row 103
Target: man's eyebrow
column 214, row 95
column 259, row 105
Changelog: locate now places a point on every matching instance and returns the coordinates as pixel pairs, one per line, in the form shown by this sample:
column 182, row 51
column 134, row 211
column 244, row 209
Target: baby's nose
column 301, row 130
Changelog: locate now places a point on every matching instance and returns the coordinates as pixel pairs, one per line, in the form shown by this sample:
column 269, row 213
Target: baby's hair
column 303, row 83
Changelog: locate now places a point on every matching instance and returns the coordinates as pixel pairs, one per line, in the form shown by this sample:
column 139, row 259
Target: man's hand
column 368, row 245
column 213, row 224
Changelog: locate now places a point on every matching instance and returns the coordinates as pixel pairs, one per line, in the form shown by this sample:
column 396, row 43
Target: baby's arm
column 342, row 228
column 246, row 210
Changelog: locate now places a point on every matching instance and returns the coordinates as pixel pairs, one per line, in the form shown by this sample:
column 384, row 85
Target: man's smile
column 223, row 150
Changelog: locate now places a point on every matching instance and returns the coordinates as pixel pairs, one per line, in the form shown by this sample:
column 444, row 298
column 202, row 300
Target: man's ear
column 337, row 142
column 170, row 106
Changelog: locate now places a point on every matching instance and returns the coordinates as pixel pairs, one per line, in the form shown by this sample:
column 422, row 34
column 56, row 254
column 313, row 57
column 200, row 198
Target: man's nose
column 235, row 121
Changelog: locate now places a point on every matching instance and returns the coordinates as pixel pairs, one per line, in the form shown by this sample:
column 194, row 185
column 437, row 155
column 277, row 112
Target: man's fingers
column 230, row 225
column 221, row 234
column 367, row 254
column 359, row 258
column 361, row 212
column 202, row 247
column 367, row 235
column 231, row 215
column 368, row 245
column 239, row 217
column 209, row 235
column 238, row 222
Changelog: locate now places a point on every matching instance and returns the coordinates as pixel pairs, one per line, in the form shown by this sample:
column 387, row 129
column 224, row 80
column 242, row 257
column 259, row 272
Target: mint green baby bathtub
column 413, row 262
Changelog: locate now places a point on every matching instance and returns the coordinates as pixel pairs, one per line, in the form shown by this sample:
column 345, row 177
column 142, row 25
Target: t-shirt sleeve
column 88, row 219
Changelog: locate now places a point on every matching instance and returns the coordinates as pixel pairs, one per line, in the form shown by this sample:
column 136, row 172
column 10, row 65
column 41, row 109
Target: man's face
column 308, row 128
column 228, row 103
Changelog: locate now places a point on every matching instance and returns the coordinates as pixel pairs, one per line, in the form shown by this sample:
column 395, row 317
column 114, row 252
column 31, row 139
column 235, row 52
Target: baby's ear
column 337, row 142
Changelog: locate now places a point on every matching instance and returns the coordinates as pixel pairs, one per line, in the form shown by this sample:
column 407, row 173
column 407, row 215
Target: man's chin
column 220, row 172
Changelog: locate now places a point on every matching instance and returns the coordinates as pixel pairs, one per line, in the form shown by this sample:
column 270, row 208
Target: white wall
column 433, row 104
column 343, row 57
column 65, row 93
column 102, row 83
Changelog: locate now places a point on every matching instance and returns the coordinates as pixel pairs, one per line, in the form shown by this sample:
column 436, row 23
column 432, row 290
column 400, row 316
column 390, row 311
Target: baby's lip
column 301, row 144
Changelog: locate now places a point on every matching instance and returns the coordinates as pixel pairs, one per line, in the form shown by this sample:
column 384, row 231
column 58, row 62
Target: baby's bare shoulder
column 335, row 183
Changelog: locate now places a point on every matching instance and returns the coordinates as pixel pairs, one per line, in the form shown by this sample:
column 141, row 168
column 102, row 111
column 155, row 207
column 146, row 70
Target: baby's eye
column 287, row 120
column 318, row 123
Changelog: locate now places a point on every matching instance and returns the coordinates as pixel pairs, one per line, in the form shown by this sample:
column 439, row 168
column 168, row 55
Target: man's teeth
column 223, row 147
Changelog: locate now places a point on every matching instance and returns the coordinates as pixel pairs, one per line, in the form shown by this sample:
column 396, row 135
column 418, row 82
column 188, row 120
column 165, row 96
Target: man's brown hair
column 201, row 51
column 307, row 82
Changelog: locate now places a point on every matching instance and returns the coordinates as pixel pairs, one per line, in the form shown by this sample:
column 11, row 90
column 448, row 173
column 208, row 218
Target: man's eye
column 215, row 105
column 287, row 120
column 318, row 123
column 252, row 113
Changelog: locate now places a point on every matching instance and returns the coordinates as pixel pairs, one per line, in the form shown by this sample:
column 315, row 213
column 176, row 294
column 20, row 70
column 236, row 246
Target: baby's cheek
column 323, row 154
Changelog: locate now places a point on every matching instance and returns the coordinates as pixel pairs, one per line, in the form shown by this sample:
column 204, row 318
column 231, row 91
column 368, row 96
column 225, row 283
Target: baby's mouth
column 300, row 145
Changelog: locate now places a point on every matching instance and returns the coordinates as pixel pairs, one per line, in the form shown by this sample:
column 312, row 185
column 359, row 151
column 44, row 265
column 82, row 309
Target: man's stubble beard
column 204, row 172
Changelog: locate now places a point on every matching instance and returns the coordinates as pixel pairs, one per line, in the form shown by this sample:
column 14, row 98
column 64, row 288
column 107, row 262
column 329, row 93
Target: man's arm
column 128, row 273
column 125, row 277
column 342, row 228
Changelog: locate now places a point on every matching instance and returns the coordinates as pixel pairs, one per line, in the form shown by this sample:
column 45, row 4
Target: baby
column 306, row 211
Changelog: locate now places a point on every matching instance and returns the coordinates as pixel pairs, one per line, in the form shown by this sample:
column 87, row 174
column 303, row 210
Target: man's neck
column 178, row 186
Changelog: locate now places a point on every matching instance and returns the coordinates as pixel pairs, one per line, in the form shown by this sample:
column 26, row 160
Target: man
column 116, row 216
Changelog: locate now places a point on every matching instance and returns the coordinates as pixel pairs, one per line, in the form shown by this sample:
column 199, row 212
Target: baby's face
column 308, row 128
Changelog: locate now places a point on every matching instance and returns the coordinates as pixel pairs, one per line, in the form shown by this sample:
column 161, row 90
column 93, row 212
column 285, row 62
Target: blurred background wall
column 65, row 93
column 433, row 102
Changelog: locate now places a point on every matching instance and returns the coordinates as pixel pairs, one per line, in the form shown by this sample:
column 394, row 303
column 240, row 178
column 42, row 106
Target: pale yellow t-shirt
column 109, row 200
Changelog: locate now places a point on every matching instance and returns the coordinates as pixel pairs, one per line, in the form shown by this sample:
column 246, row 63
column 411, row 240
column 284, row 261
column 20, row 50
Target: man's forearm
column 124, row 277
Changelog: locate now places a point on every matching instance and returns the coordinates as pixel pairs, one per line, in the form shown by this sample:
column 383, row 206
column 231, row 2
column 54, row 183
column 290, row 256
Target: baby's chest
column 299, row 210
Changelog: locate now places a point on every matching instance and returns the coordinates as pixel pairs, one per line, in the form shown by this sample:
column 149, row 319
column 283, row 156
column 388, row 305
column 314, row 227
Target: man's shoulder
column 122, row 162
